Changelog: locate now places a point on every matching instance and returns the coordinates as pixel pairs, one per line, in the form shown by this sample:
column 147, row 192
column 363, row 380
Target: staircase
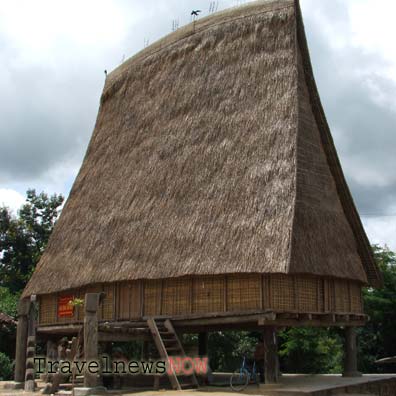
column 168, row 345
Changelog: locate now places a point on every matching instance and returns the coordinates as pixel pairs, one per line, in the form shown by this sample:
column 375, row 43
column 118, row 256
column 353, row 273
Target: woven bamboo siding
column 306, row 290
column 176, row 298
column 152, row 297
column 108, row 303
column 211, row 294
column 342, row 299
column 243, row 292
column 356, row 297
column 128, row 300
column 123, row 301
column 47, row 313
column 208, row 294
column 282, row 293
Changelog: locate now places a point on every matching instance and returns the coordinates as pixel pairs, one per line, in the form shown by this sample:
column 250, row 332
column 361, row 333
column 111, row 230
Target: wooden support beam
column 145, row 350
column 127, row 337
column 203, row 344
column 91, row 339
column 271, row 355
column 350, row 358
column 21, row 340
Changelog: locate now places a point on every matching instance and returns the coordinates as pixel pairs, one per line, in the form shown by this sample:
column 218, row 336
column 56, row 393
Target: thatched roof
column 211, row 154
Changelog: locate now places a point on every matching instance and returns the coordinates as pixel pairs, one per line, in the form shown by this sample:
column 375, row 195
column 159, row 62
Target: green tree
column 24, row 237
column 378, row 338
column 5, row 367
column 310, row 350
column 8, row 302
column 227, row 348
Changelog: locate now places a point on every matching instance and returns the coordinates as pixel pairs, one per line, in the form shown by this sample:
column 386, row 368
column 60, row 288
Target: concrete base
column 12, row 385
column 97, row 390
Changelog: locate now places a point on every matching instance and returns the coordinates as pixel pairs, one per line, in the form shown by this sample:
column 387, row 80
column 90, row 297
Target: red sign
column 65, row 308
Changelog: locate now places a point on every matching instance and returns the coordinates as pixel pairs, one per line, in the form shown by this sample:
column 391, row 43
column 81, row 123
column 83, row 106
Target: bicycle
column 244, row 376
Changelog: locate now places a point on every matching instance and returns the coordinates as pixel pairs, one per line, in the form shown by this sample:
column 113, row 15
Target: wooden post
column 203, row 344
column 350, row 358
column 91, row 306
column 21, row 340
column 270, row 355
column 145, row 351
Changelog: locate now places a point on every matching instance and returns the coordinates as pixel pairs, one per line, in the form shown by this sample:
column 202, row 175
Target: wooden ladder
column 168, row 346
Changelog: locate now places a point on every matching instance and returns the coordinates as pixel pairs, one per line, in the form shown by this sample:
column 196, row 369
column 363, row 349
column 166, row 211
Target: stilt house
column 211, row 193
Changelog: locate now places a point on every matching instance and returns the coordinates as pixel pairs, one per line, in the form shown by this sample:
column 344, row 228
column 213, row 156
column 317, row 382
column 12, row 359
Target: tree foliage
column 8, row 302
column 310, row 350
column 22, row 241
column 378, row 338
column 5, row 367
column 23, row 238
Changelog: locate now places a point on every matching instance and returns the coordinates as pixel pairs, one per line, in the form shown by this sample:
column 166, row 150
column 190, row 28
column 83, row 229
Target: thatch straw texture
column 207, row 158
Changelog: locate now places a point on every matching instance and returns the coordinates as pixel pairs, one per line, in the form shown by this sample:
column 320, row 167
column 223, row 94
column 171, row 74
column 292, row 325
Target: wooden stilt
column 350, row 358
column 203, row 344
column 145, row 350
column 91, row 305
column 271, row 355
column 21, row 340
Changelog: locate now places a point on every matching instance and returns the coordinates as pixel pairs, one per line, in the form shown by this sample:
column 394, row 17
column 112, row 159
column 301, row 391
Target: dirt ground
column 289, row 384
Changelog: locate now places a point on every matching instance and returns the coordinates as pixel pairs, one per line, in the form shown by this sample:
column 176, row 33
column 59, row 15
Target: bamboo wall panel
column 152, row 297
column 135, row 299
column 208, row 294
column 243, row 292
column 356, row 297
column 47, row 313
column 123, row 300
column 307, row 294
column 341, row 293
column 212, row 294
column 128, row 300
column 282, row 292
column 108, row 302
column 176, row 298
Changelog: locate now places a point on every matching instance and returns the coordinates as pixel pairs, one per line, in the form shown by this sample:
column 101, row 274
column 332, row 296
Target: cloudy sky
column 53, row 55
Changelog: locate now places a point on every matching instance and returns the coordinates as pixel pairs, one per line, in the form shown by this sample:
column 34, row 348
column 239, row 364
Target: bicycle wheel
column 239, row 380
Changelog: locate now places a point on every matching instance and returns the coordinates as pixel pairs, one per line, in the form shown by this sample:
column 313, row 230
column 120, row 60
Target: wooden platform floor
column 289, row 385
column 298, row 384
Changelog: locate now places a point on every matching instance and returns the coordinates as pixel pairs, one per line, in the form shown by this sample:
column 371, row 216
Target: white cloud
column 11, row 199
column 381, row 230
column 54, row 54
column 373, row 28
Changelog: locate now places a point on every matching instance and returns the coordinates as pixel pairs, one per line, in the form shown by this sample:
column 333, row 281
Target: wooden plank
column 295, row 294
column 122, row 337
column 161, row 296
column 225, row 293
column 135, row 298
column 141, row 283
column 191, row 297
